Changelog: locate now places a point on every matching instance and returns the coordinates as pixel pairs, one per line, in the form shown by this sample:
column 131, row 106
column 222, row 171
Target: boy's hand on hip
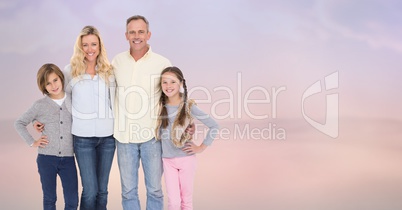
column 41, row 142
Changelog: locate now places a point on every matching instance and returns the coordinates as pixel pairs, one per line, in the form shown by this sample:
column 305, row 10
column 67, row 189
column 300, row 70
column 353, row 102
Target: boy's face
column 54, row 86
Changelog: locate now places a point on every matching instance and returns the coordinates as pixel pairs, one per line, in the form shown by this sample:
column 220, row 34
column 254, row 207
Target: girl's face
column 170, row 85
column 54, row 86
column 90, row 46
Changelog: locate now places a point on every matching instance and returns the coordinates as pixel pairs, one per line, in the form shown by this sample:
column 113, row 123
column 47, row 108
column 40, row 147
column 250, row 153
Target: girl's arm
column 190, row 147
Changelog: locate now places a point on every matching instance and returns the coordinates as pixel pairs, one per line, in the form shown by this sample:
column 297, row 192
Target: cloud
column 29, row 28
column 376, row 23
column 6, row 4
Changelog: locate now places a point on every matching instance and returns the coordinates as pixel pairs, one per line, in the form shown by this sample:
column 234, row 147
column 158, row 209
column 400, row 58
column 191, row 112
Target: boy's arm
column 22, row 122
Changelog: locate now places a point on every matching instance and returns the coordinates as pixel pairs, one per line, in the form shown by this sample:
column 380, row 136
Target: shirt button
column 61, row 137
column 61, row 122
column 61, row 108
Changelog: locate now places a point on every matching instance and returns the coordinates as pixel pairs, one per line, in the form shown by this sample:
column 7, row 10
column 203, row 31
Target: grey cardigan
column 57, row 120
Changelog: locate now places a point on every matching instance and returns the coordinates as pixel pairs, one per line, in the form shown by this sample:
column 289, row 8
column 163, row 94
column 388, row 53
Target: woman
column 92, row 86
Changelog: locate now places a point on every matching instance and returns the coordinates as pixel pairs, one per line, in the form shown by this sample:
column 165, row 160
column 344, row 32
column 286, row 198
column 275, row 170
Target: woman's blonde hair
column 78, row 65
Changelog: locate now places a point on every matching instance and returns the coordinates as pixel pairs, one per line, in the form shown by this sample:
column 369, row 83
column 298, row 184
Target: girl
column 178, row 151
column 55, row 146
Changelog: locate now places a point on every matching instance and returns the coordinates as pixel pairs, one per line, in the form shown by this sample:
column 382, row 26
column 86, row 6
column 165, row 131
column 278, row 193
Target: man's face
column 137, row 35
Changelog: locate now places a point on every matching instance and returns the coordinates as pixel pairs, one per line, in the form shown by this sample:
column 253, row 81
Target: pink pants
column 179, row 178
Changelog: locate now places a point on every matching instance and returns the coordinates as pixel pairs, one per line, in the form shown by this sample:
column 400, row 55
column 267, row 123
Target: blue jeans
column 128, row 156
column 94, row 157
column 48, row 167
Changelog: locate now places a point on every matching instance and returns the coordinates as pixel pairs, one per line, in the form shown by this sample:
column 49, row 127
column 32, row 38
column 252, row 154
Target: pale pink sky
column 231, row 52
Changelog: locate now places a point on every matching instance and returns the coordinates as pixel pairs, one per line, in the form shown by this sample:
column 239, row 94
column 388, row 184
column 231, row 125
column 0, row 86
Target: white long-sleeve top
column 92, row 101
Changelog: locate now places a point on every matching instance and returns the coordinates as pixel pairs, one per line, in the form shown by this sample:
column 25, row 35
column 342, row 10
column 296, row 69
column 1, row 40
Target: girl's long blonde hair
column 78, row 64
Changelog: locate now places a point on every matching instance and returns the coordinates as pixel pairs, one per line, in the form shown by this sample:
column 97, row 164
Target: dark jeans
column 49, row 167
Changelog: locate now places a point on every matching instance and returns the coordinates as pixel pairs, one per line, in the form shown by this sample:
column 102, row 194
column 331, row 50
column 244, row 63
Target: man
column 137, row 74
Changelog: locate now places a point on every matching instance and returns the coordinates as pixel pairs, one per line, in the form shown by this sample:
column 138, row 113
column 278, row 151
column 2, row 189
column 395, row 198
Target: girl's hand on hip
column 190, row 148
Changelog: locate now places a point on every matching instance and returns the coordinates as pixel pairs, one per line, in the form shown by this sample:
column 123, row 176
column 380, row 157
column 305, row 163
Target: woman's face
column 90, row 46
